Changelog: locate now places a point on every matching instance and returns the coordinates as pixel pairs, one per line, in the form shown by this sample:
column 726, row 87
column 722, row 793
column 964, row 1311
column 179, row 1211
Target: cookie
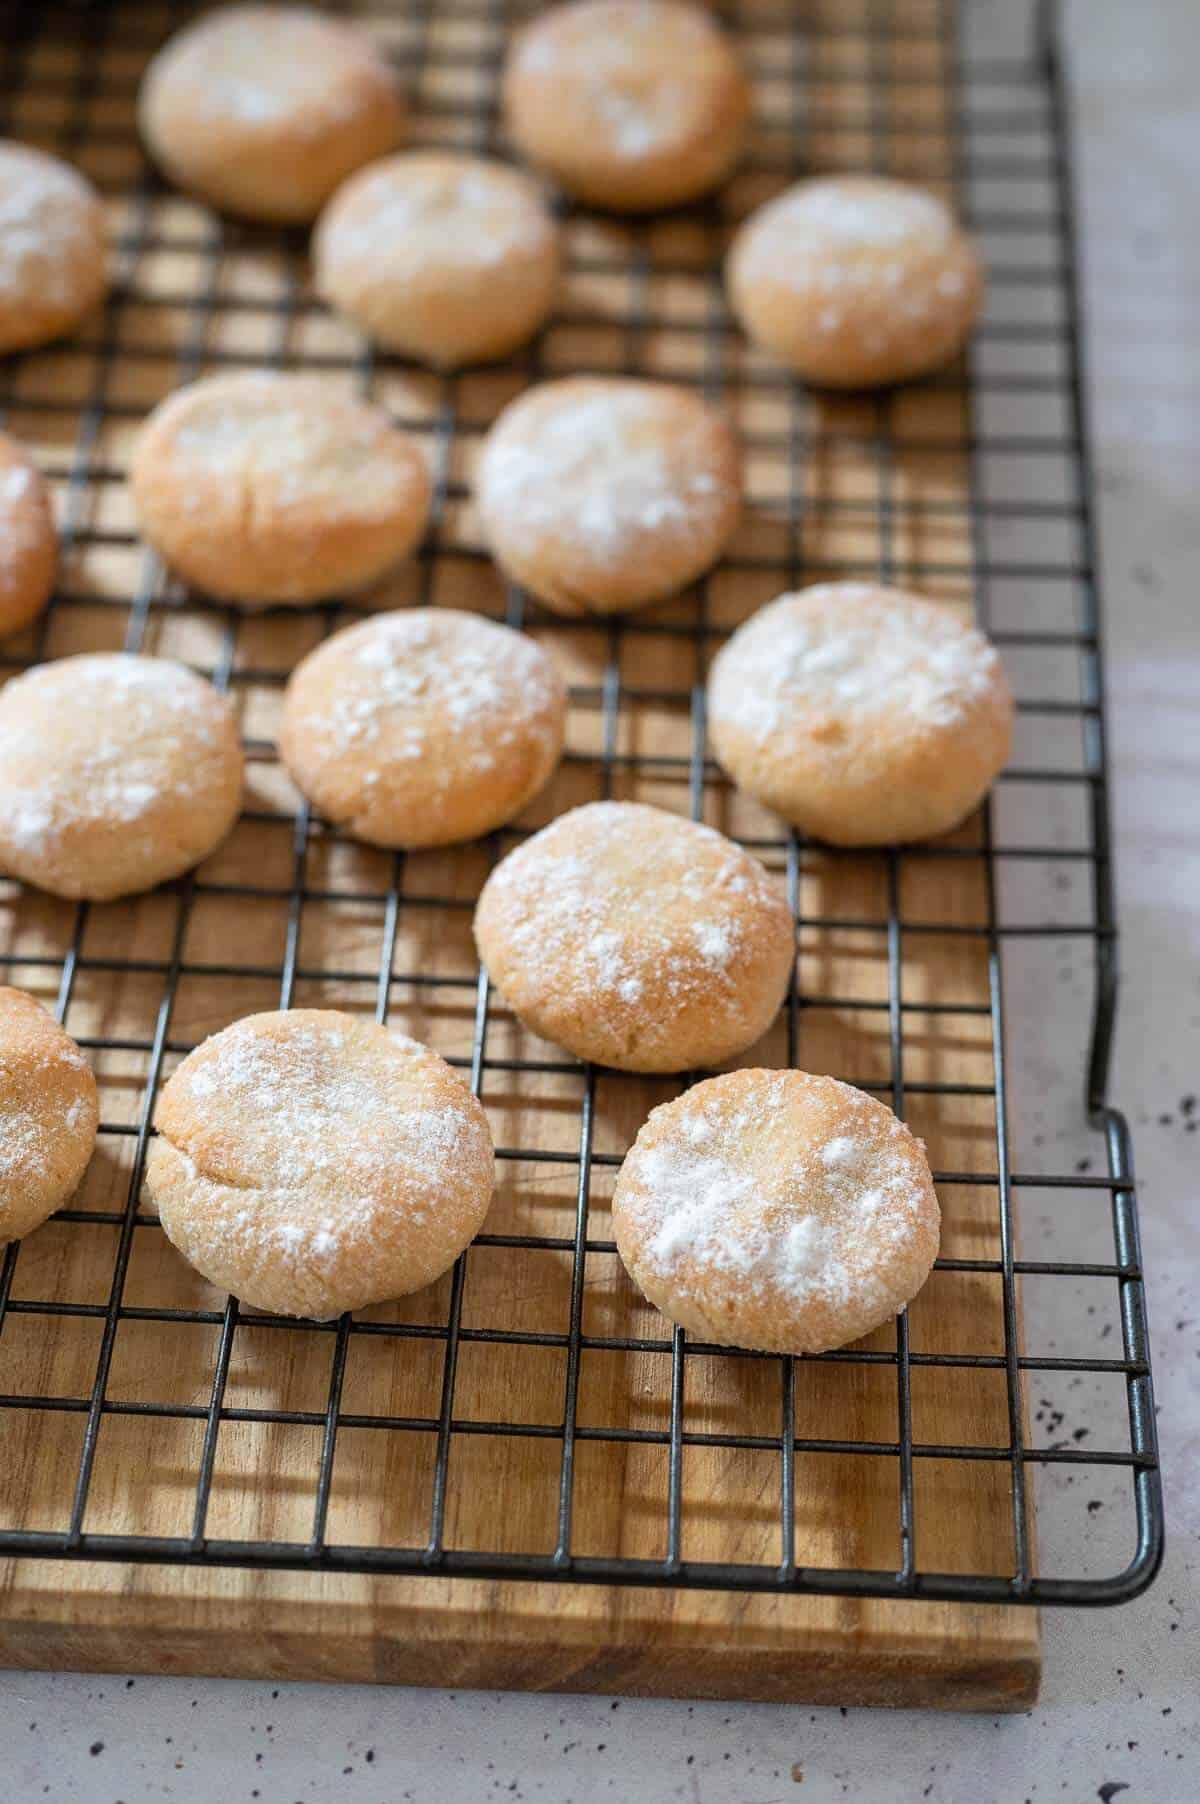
column 311, row 1162
column 628, row 104
column 48, row 1115
column 423, row 727
column 636, row 938
column 264, row 490
column 28, row 540
column 446, row 258
column 855, row 281
column 863, row 715
column 52, row 253
column 264, row 110
column 600, row 494
column 116, row 773
column 776, row 1211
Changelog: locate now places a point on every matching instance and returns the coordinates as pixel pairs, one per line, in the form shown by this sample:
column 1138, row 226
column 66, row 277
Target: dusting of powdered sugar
column 845, row 213
column 322, row 1125
column 262, row 66
column 827, row 238
column 880, row 259
column 844, row 652
column 25, row 1146
column 817, row 1227
column 388, row 687
column 578, row 900
column 603, row 464
column 22, row 528
column 633, row 74
column 30, row 1138
column 48, row 231
column 415, row 211
column 279, row 445
column 715, row 940
column 636, row 120
column 103, row 738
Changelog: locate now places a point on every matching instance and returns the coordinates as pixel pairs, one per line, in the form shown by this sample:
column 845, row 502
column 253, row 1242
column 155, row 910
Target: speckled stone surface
column 1119, row 1712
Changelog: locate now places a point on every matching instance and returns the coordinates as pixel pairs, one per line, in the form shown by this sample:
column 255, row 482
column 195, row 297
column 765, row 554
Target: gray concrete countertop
column 1120, row 1712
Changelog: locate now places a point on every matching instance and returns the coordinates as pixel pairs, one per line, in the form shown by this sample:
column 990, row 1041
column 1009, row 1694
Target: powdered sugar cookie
column 855, row 280
column 601, row 493
column 48, row 1115
column 864, row 715
column 448, row 258
column 775, row 1210
column 631, row 104
column 267, row 489
column 311, row 1162
column 423, row 727
column 263, row 110
column 116, row 773
column 52, row 257
column 28, row 541
column 638, row 939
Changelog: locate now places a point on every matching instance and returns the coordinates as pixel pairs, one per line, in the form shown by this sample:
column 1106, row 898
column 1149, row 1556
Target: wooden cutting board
column 460, row 1634
column 503, row 1491
column 847, row 486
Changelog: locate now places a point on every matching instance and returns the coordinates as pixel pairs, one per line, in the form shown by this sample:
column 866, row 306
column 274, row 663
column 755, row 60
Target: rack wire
column 903, row 488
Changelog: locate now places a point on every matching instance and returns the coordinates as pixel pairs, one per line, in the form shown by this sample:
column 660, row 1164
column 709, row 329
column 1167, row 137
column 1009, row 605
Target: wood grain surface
column 892, row 991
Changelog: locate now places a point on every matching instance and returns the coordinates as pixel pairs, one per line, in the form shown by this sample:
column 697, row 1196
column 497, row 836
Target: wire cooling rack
column 975, row 486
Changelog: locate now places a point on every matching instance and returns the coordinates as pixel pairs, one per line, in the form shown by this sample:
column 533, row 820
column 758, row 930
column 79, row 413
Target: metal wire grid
column 875, row 34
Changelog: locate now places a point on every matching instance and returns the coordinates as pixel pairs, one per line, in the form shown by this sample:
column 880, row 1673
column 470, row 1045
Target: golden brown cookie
column 28, row 540
column 856, row 280
column 48, row 1115
column 636, row 938
column 264, row 110
column 265, row 489
column 775, row 1210
column 629, row 104
column 448, row 258
column 116, row 773
column 52, row 253
column 864, row 715
column 312, row 1162
column 601, row 493
column 423, row 727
